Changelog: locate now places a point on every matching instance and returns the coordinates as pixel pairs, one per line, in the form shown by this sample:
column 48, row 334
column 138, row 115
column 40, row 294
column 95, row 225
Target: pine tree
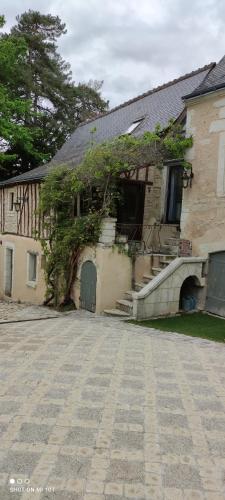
column 57, row 104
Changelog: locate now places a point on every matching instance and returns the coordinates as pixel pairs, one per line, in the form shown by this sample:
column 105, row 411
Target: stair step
column 173, row 241
column 124, row 305
column 156, row 270
column 166, row 257
column 170, row 249
column 148, row 277
column 129, row 295
column 139, row 286
column 116, row 312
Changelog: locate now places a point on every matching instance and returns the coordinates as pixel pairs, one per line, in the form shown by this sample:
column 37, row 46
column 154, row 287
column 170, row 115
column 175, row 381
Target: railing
column 147, row 238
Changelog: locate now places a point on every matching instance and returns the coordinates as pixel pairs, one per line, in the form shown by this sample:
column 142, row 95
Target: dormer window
column 133, row 126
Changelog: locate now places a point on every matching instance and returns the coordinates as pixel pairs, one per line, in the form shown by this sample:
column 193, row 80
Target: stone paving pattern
column 99, row 409
column 14, row 311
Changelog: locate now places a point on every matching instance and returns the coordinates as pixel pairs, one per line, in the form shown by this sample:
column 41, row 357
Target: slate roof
column 156, row 106
column 214, row 80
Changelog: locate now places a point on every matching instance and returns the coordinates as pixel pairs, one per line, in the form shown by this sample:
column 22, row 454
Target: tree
column 14, row 134
column 57, row 104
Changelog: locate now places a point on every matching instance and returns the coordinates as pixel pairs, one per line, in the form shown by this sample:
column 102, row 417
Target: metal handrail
column 147, row 237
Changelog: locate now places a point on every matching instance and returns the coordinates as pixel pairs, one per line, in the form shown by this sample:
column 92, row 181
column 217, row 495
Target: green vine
column 95, row 182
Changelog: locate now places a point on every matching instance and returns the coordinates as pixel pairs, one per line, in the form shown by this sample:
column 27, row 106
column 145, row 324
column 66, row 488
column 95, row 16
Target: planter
column 108, row 232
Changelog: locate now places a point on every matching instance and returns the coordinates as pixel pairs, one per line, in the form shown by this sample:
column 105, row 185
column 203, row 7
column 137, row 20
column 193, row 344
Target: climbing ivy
column 94, row 181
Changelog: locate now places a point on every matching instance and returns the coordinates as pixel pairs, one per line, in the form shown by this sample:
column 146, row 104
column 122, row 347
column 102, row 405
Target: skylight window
column 133, row 126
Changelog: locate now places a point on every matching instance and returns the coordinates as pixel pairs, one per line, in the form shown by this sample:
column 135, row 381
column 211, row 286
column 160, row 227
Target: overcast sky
column 133, row 45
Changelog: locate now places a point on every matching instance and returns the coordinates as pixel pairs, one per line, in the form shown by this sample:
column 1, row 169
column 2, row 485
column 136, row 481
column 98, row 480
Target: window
column 11, row 202
column 32, row 267
column 133, row 126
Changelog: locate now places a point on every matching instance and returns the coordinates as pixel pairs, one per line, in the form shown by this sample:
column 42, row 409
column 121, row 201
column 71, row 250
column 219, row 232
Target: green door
column 88, row 286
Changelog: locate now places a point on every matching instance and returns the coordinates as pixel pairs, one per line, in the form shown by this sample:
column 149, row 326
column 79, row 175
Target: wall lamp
column 187, row 177
column 19, row 203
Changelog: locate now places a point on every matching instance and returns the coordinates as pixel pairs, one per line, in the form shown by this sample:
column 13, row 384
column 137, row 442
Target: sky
column 132, row 45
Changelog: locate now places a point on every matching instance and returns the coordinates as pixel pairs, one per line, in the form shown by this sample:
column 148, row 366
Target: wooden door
column 88, row 286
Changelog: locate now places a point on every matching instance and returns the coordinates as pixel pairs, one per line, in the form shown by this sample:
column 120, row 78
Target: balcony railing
column 146, row 238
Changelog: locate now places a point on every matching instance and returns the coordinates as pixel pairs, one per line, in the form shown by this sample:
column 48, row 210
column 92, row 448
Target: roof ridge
column 149, row 92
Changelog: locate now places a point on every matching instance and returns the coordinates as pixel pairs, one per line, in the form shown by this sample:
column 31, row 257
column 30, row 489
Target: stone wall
column 203, row 208
column 114, row 275
column 22, row 289
column 161, row 296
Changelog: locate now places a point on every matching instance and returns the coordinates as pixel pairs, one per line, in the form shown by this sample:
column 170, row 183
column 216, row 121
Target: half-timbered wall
column 26, row 221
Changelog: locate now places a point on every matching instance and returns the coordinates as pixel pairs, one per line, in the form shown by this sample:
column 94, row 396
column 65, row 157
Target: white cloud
column 133, row 44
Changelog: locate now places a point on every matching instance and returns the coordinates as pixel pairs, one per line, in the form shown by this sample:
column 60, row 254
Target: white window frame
column 32, row 283
column 133, row 126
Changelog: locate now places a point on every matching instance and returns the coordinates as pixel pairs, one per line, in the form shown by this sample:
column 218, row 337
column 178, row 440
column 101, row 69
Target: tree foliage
column 14, row 134
column 40, row 105
column 96, row 181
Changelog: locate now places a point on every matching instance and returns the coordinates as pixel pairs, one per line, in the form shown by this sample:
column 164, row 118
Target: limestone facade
column 203, row 207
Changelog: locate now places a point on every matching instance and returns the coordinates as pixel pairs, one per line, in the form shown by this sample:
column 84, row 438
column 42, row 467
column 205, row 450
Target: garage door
column 215, row 300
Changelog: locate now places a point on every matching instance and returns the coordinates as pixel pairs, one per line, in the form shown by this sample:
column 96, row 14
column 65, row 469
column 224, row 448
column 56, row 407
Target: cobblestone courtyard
column 103, row 410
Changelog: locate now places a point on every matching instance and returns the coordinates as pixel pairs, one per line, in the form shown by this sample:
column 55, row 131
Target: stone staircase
column 124, row 306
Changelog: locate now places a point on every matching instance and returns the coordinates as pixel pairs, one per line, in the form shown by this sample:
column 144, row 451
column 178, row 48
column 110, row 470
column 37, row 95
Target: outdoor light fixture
column 19, row 202
column 187, row 177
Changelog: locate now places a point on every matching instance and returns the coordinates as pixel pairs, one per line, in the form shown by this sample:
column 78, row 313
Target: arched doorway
column 189, row 294
column 88, row 282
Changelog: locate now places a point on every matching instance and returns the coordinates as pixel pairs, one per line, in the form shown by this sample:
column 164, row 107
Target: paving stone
column 202, row 390
column 129, row 417
column 132, row 399
column 80, row 436
column 127, row 440
column 192, row 367
column 93, row 396
column 61, row 495
column 165, row 375
column 68, row 367
column 90, row 414
column 132, row 384
column 172, row 420
column 47, row 411
column 214, row 424
column 6, row 494
column 33, row 433
column 217, row 448
column 175, row 445
column 181, row 476
column 98, row 381
column 8, row 407
column 205, row 405
column 104, row 370
column 15, row 462
column 170, row 403
column 57, row 393
column 125, row 471
column 70, row 466
column 3, row 428
column 167, row 387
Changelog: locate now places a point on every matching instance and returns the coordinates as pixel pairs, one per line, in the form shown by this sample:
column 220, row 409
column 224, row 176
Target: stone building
column 175, row 221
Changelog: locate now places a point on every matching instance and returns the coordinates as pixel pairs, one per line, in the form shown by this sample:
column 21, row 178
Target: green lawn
column 196, row 325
